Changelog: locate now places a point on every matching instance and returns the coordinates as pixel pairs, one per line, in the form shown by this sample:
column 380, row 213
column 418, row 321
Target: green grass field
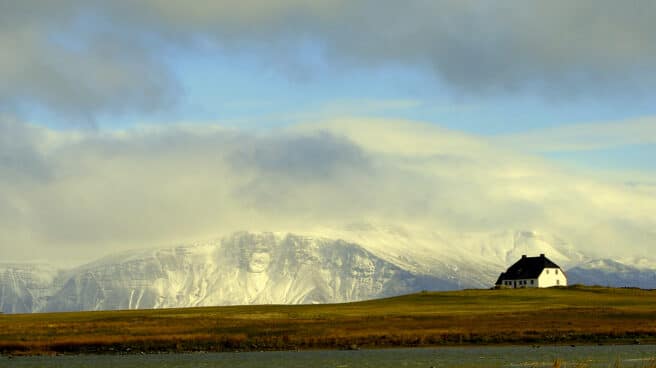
column 523, row 316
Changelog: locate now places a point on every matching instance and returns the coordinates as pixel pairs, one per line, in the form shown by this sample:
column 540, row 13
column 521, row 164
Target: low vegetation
column 523, row 316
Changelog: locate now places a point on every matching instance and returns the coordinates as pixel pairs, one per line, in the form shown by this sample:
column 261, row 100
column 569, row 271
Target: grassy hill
column 522, row 316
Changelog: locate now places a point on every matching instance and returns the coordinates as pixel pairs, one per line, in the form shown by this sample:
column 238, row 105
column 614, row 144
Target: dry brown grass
column 562, row 315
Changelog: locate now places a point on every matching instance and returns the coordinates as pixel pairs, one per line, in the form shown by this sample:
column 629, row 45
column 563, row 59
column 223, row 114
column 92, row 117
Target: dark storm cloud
column 81, row 58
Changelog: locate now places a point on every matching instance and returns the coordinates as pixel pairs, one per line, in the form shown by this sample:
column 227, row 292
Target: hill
column 523, row 316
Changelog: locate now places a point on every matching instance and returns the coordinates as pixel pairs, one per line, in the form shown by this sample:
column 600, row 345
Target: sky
column 128, row 124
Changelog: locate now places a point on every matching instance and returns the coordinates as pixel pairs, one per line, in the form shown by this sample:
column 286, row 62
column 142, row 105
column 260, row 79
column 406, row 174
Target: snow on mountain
column 360, row 262
column 244, row 268
column 25, row 287
column 606, row 272
column 473, row 259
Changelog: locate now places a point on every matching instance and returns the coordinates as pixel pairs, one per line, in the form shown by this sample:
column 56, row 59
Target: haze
column 137, row 124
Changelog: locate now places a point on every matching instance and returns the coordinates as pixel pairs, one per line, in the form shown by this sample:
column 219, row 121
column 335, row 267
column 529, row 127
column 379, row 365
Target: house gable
column 552, row 277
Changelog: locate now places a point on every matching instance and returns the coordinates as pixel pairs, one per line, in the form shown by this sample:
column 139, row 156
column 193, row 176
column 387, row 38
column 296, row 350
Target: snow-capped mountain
column 242, row 269
column 606, row 272
column 361, row 262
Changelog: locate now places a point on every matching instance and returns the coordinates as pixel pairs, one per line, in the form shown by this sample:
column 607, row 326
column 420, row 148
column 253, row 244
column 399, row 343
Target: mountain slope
column 243, row 269
column 25, row 287
column 359, row 263
column 606, row 272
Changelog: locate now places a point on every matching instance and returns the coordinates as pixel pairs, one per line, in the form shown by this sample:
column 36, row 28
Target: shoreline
column 650, row 342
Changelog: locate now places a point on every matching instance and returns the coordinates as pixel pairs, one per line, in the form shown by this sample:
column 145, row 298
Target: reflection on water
column 506, row 356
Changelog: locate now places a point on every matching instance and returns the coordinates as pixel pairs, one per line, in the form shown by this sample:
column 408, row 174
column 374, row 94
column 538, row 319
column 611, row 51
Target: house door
column 514, row 284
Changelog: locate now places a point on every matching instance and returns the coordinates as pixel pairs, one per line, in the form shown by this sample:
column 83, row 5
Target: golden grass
column 529, row 316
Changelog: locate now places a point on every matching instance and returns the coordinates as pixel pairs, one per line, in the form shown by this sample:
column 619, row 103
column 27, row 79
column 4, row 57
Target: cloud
column 54, row 62
column 556, row 47
column 91, row 193
column 20, row 157
column 309, row 157
column 584, row 137
column 81, row 58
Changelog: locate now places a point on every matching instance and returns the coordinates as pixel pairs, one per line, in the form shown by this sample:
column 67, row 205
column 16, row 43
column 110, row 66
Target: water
column 506, row 356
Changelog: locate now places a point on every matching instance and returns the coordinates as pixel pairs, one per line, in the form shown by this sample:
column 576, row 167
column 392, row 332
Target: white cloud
column 583, row 137
column 78, row 195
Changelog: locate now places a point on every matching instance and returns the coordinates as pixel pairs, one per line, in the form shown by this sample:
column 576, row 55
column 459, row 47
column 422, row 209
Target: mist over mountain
column 361, row 263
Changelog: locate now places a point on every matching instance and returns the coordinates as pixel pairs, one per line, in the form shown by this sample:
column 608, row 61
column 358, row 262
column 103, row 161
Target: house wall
column 552, row 277
column 520, row 283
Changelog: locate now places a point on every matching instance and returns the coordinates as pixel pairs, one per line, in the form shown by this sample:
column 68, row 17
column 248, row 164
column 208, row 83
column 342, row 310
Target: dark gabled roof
column 527, row 268
column 500, row 279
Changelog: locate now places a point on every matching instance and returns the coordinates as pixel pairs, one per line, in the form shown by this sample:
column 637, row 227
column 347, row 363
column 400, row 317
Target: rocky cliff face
column 24, row 288
column 242, row 269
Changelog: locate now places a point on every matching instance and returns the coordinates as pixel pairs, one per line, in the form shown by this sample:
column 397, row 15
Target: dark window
column 531, row 282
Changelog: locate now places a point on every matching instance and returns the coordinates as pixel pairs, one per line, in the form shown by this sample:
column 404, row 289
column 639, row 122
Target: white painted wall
column 552, row 277
column 520, row 283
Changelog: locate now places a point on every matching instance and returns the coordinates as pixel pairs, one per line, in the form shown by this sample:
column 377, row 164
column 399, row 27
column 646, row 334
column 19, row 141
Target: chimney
column 523, row 256
column 541, row 255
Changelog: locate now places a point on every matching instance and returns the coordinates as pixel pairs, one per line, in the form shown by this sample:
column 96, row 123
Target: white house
column 530, row 272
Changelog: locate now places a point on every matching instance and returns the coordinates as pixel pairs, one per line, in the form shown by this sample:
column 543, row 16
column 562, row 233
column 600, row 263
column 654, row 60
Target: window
column 556, row 271
column 531, row 282
column 557, row 282
column 547, row 271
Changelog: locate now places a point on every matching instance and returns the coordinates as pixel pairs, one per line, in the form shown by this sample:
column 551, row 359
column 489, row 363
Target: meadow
column 572, row 315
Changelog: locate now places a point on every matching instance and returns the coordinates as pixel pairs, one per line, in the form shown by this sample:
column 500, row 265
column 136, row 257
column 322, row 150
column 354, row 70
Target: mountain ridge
column 287, row 268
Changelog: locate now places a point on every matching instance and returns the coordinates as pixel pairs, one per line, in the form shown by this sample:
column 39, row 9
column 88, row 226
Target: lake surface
column 505, row 356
